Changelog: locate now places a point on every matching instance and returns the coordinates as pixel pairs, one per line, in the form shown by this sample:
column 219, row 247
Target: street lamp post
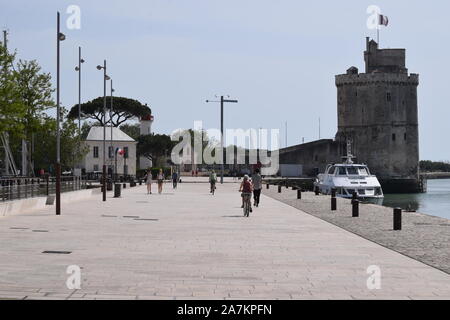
column 222, row 101
column 59, row 37
column 111, row 154
column 78, row 68
column 105, row 77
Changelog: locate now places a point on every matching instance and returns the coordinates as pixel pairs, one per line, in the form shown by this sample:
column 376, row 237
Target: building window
column 95, row 167
column 393, row 137
column 125, row 149
column 388, row 96
column 95, row 150
column 404, row 136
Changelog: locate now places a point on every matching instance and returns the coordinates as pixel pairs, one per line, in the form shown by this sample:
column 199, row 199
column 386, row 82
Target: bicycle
column 247, row 204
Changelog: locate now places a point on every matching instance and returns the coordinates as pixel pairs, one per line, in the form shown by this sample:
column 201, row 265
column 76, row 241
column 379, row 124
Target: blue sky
column 278, row 58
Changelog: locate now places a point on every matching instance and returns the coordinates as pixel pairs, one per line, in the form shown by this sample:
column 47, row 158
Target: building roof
column 96, row 134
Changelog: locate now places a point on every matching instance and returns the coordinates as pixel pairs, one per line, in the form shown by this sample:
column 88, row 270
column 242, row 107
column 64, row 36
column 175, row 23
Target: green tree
column 36, row 94
column 72, row 148
column 12, row 110
column 154, row 146
column 133, row 130
column 123, row 109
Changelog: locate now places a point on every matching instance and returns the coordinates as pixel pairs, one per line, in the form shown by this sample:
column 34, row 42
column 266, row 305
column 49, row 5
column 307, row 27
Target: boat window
column 363, row 171
column 342, row 171
column 352, row 170
column 331, row 170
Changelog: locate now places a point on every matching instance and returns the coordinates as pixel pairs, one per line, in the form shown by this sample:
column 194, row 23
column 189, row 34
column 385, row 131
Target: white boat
column 348, row 178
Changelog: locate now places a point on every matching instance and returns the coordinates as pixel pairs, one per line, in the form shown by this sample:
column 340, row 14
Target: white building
column 145, row 128
column 125, row 164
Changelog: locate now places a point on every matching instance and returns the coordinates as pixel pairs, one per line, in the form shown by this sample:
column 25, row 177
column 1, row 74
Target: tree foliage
column 434, row 166
column 133, row 130
column 153, row 146
column 123, row 109
column 12, row 109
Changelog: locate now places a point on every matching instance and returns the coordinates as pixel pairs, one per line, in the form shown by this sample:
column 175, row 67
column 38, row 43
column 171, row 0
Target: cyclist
column 212, row 181
column 246, row 188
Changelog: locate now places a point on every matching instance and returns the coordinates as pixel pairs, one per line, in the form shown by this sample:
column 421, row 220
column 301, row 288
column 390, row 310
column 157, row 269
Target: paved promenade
column 188, row 244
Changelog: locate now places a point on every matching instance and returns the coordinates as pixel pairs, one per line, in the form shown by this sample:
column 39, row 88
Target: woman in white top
column 148, row 181
column 160, row 180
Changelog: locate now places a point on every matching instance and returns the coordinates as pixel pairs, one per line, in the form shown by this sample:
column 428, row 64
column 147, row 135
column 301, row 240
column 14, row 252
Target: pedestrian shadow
column 240, row 216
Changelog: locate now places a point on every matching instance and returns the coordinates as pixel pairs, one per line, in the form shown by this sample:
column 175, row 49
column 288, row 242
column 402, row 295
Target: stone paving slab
column 199, row 246
column 423, row 237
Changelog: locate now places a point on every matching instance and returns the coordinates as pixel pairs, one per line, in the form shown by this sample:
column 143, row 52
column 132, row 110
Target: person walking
column 212, row 181
column 148, row 181
column 257, row 186
column 174, row 179
column 160, row 180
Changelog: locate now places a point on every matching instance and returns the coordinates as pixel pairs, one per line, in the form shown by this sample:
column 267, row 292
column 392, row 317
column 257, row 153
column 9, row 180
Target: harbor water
column 436, row 201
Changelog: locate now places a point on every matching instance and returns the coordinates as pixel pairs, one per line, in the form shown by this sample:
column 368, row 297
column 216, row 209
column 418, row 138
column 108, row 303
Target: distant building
column 145, row 129
column 125, row 164
column 377, row 111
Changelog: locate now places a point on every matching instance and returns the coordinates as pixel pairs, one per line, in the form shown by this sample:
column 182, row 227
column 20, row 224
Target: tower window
column 388, row 96
column 404, row 136
column 393, row 137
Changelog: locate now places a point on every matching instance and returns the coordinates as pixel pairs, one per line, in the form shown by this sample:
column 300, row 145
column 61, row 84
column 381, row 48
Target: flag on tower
column 383, row 20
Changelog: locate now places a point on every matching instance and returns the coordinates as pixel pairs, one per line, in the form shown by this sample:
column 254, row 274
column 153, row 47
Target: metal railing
column 21, row 188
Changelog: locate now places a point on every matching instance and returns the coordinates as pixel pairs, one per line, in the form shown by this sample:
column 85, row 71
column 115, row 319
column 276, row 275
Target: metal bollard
column 299, row 194
column 354, row 195
column 355, row 208
column 124, row 185
column 316, row 190
column 117, row 190
column 279, row 188
column 267, row 186
column 397, row 219
column 333, row 199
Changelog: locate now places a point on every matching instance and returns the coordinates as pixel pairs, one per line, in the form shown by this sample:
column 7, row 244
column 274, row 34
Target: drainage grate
column 57, row 252
column 19, row 228
column 147, row 219
column 40, row 230
column 130, row 216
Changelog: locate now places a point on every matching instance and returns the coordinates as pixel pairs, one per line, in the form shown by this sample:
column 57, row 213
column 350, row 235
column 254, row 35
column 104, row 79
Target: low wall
column 16, row 207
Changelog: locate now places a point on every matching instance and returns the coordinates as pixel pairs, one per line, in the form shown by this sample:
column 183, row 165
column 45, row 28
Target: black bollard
column 267, row 186
column 333, row 199
column 355, row 208
column 333, row 204
column 124, row 185
column 316, row 190
column 354, row 195
column 299, row 194
column 279, row 188
column 117, row 190
column 397, row 219
column 333, row 192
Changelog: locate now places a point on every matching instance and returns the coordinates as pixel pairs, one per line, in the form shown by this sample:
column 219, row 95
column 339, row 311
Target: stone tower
column 145, row 129
column 377, row 110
